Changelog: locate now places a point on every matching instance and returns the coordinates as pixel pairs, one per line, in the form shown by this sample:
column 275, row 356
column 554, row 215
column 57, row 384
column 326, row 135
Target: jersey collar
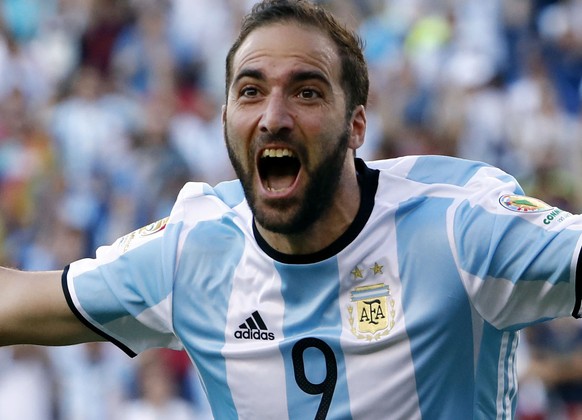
column 368, row 180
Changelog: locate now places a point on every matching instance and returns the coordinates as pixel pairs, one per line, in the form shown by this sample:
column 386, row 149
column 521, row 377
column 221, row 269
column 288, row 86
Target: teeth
column 271, row 189
column 273, row 153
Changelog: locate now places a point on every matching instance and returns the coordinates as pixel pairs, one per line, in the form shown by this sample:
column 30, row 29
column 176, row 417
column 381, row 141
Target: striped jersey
column 414, row 312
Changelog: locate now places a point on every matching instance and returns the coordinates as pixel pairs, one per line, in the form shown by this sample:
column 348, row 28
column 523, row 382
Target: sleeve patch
column 524, row 204
column 126, row 241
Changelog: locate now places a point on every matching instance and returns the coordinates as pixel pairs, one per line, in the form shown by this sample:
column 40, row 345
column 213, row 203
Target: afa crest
column 373, row 315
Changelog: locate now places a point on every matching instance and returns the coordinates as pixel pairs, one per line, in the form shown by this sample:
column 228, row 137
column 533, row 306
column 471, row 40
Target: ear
column 358, row 127
column 223, row 115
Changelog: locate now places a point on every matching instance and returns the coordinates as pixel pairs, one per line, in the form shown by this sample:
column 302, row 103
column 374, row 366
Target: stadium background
column 108, row 106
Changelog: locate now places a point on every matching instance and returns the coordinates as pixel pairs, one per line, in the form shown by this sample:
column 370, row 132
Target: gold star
column 377, row 269
column 357, row 273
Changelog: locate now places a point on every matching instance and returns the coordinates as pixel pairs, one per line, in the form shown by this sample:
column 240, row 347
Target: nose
column 276, row 115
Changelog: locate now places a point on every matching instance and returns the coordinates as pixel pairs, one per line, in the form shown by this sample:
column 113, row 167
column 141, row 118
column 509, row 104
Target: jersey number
column 327, row 386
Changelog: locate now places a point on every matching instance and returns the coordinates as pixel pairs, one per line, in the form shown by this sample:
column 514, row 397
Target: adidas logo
column 254, row 328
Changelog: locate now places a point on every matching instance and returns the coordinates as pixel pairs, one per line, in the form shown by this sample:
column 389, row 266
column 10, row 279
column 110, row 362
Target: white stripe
column 394, row 376
column 157, row 316
column 256, row 281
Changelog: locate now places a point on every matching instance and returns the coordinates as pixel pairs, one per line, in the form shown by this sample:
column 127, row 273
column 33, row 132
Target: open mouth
column 278, row 169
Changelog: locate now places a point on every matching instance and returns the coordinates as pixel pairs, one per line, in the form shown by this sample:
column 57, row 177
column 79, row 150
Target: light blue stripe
column 125, row 292
column 367, row 294
column 207, row 269
column 443, row 170
column 494, row 246
column 311, row 300
column 487, row 386
column 510, row 403
column 507, row 179
column 362, row 296
column 230, row 192
column 436, row 309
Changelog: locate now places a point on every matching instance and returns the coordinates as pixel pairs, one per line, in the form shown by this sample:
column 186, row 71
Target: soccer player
column 318, row 285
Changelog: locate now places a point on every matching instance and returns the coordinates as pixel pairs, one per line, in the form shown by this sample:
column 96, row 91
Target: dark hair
column 354, row 71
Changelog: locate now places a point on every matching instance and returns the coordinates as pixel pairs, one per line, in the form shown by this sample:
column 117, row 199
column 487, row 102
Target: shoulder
column 226, row 195
column 436, row 169
column 229, row 193
column 199, row 201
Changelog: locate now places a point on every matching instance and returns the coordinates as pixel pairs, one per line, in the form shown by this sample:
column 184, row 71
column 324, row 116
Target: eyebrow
column 296, row 76
column 303, row 75
column 250, row 73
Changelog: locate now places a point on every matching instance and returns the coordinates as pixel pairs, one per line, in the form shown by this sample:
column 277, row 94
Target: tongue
column 279, row 181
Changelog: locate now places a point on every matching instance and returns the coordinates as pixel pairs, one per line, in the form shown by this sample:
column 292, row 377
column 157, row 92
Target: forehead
column 288, row 46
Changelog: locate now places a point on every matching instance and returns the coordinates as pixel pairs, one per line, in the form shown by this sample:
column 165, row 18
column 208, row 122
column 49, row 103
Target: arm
column 33, row 310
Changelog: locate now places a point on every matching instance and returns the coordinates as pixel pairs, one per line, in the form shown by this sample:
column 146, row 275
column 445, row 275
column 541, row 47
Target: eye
column 309, row 93
column 249, row 91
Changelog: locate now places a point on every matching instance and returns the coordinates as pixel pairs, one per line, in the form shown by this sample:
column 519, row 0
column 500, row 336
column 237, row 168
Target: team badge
column 524, row 204
column 372, row 314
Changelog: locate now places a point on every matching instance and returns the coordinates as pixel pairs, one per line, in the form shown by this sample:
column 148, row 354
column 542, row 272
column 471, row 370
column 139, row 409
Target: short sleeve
column 125, row 293
column 517, row 254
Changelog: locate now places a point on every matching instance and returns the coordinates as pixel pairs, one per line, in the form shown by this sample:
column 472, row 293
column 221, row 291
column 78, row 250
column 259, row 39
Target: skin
column 33, row 310
column 284, row 95
column 287, row 95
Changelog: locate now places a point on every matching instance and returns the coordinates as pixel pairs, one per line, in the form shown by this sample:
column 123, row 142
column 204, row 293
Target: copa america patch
column 523, row 204
column 141, row 234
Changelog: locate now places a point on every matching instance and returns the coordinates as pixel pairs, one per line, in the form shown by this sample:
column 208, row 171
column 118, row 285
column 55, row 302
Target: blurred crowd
column 107, row 107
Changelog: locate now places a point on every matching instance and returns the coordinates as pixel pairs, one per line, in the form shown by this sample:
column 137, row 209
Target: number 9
column 327, row 386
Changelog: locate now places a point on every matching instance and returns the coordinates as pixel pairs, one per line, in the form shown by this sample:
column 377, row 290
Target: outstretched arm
column 33, row 310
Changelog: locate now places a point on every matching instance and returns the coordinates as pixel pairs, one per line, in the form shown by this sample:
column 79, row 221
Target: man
column 319, row 286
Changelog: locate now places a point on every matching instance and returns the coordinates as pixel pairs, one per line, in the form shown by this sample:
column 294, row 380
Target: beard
column 322, row 185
